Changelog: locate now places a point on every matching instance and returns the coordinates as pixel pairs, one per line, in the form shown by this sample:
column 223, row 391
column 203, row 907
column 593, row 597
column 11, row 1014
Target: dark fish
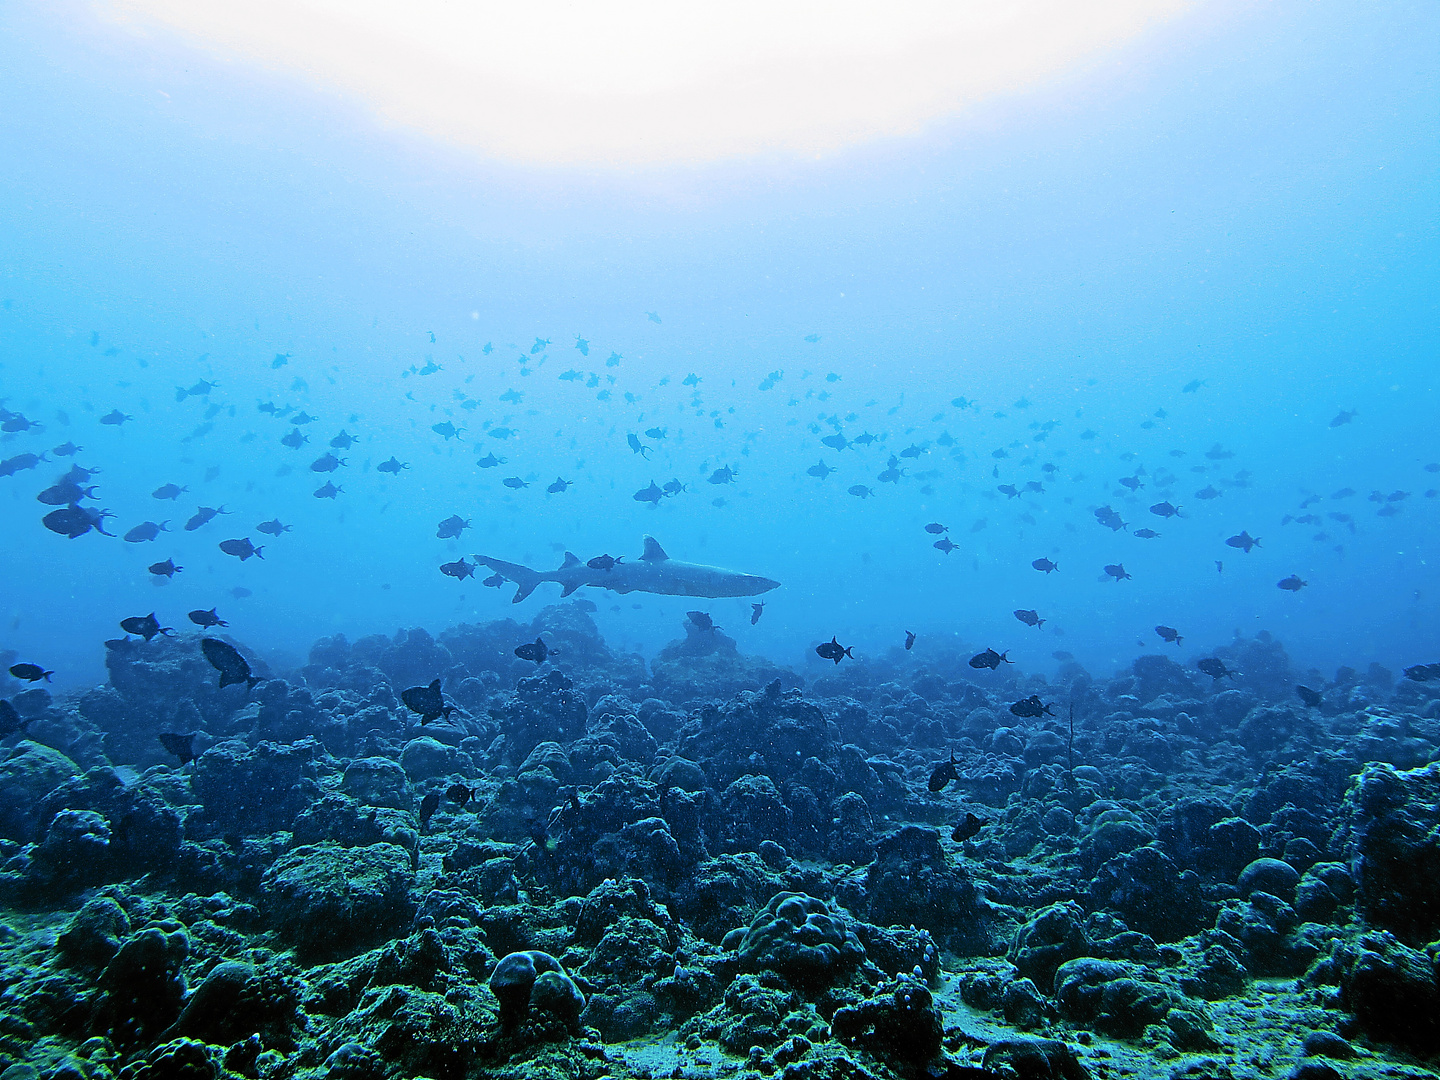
column 68, row 449
column 1045, row 565
column 447, row 429
column 1117, row 571
column 944, row 544
column 636, row 446
column 833, row 650
column 206, row 619
column 1131, row 482
column 226, row 659
column 240, row 592
column 514, row 482
column 428, row 805
column 559, row 486
column 990, row 659
column 273, row 527
column 1109, row 518
column 1244, row 540
column 1208, row 492
column 452, row 527
column 701, row 620
column 1213, row 667
column 146, row 530
column 427, row 701
column 115, row 418
column 1146, row 534
column 10, row 722
column 295, row 439
column 20, row 463
column 1169, row 635
column 343, row 441
column 820, row 470
column 651, row 494
column 1031, row 707
column 935, row 528
column 1010, row 491
column 394, row 465
column 860, row 491
column 1423, row 672
column 1029, row 618
column 327, row 491
column 1311, row 698
column 723, row 475
column 166, row 569
column 756, row 610
column 30, row 672
column 460, row 794
column 835, row 442
column 1164, row 510
column 242, row 549
column 675, row 487
column 909, row 640
column 967, row 828
column 169, row 491
column 65, row 491
column 494, row 581
column 181, row 744
column 145, row 626
column 863, row 440
column 303, row 418
column 656, row 432
column 535, row 651
column 1293, row 583
column 912, row 451
column 1344, row 417
column 459, row 569
column 602, row 562
column 74, row 521
column 943, row 774
column 489, row 461
column 1192, row 386
column 327, row 463
column 203, row 516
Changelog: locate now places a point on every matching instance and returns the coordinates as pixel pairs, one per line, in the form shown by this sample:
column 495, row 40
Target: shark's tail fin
column 525, row 579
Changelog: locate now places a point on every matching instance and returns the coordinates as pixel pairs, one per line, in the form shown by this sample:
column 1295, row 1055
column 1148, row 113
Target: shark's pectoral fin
column 653, row 551
column 569, row 587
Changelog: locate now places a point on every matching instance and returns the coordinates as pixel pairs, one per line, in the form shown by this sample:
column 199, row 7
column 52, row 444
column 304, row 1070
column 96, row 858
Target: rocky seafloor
column 711, row 866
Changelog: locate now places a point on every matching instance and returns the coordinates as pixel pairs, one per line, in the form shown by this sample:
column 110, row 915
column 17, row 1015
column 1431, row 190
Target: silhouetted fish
column 1044, row 565
column 1031, row 707
column 756, row 610
column 1244, row 540
column 833, row 650
column 968, row 827
column 1029, row 618
column 428, row 805
column 1214, row 667
column 942, row 774
column 206, row 619
column 1293, row 583
column 273, row 527
column 226, row 659
column 990, row 659
column 909, row 640
column 242, row 549
column 30, row 672
column 145, row 626
column 1311, row 698
column 146, row 530
column 427, row 701
column 181, row 744
column 394, row 465
column 1169, row 635
column 534, row 651
column 1117, row 571
column 459, row 569
column 166, row 569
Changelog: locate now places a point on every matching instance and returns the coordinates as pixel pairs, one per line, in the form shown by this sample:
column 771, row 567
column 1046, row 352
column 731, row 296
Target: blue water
column 1247, row 199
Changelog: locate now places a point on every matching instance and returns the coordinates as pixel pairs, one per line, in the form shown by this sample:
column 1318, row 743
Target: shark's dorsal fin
column 653, row 551
column 570, row 560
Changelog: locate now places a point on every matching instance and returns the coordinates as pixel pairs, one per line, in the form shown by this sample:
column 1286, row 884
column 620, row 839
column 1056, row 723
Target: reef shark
column 655, row 572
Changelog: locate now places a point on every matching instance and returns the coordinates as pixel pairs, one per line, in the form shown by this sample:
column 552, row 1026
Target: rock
column 798, row 937
column 255, row 792
column 1033, row 1059
column 29, row 772
column 94, row 933
column 1328, row 1044
column 912, row 883
column 1391, row 989
column 378, row 781
column 1117, row 998
column 898, row 1024
column 1052, row 936
column 142, row 987
column 331, row 901
column 235, row 1000
column 425, row 758
column 1270, row 876
column 75, row 852
column 523, row 981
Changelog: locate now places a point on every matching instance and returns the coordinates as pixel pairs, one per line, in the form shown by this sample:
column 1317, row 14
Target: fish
column 168, row 491
column 674, row 487
column 990, row 659
column 166, row 569
column 909, row 640
column 1164, row 510
column 514, row 483
column 602, row 562
column 181, row 744
column 242, row 549
column 652, row 494
column 303, row 418
column 701, row 621
column 427, row 702
column 14, row 423
column 327, row 491
column 20, row 463
column 860, row 491
column 1343, row 417
column 494, row 581
column 75, row 521
column 327, row 463
column 10, row 720
column 636, row 446
column 30, row 672
column 343, row 441
column 1423, row 672
column 723, row 475
column 1031, row 707
column 295, row 439
column 912, row 451
column 1044, row 565
column 1107, row 516
column 447, row 429
column 836, row 442
column 1169, row 635
column 968, row 827
column 942, row 774
column 1146, row 534
column 273, row 527
column 489, row 461
column 1311, row 698
column 451, row 527
column 428, row 805
column 756, row 610
column 146, row 530
column 1244, row 540
column 206, row 619
column 1029, row 618
column 145, row 626
column 459, row 569
column 1208, row 492
column 65, row 490
column 501, row 432
column 460, row 794
column 1214, row 667
column 1131, row 482
column 833, row 650
column 240, row 592
column 115, row 418
column 935, row 528
column 1192, row 386
column 535, row 651
column 559, row 486
column 1293, row 583
column 820, row 470
column 203, row 516
column 1010, row 491
column 1117, row 571
column 945, row 545
column 394, row 465
column 226, row 659
column 67, row 449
